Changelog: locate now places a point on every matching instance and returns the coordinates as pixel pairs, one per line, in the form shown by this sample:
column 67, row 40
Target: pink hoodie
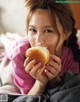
column 22, row 79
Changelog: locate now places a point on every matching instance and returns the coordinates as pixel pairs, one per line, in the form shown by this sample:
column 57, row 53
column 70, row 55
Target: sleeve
column 73, row 65
column 68, row 62
column 21, row 78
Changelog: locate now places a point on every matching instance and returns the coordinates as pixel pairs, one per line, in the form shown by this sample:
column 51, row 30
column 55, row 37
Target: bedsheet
column 68, row 91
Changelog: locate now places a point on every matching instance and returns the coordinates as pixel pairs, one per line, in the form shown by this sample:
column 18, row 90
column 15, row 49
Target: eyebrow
column 43, row 26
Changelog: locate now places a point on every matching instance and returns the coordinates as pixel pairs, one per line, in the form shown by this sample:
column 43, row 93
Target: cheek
column 52, row 43
column 31, row 40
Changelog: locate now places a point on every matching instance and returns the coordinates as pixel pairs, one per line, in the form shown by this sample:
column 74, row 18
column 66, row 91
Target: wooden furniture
column 76, row 12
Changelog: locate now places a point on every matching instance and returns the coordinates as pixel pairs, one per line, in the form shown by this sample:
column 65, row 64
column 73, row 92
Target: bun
column 40, row 54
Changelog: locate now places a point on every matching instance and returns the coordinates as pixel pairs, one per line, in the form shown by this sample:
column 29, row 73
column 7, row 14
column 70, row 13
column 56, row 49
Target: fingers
column 29, row 65
column 55, row 62
column 34, row 70
column 51, row 72
column 40, row 71
column 26, row 61
column 36, row 73
column 49, row 75
column 56, row 59
column 53, row 67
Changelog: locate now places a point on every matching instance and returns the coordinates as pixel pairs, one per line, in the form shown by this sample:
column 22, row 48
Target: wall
column 12, row 16
column 76, row 12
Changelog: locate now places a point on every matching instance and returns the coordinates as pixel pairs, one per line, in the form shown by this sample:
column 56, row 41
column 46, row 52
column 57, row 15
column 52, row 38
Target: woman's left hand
column 53, row 67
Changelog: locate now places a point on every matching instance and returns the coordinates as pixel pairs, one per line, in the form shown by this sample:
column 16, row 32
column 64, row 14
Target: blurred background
column 13, row 16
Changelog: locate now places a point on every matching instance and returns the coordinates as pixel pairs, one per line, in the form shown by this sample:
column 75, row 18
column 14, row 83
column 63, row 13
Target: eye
column 49, row 31
column 32, row 30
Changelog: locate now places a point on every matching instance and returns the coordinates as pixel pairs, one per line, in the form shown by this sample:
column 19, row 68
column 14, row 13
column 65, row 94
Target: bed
column 66, row 91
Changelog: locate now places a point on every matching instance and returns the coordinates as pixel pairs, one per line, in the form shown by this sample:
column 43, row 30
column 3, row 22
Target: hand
column 36, row 71
column 53, row 67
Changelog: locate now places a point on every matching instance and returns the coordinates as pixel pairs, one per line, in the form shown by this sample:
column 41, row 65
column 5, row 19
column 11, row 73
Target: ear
column 67, row 35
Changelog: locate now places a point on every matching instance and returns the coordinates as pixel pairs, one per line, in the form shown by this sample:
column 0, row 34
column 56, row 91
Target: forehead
column 41, row 16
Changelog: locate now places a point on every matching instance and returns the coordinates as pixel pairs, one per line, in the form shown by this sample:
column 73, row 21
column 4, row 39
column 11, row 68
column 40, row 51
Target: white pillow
column 8, row 40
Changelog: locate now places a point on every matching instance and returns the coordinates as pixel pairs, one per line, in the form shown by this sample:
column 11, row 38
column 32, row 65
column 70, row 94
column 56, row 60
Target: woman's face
column 42, row 33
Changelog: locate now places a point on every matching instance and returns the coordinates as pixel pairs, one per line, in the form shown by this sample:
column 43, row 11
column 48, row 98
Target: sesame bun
column 40, row 54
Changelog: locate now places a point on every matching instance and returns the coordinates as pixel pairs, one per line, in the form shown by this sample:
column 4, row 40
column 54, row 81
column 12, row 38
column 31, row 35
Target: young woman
column 50, row 25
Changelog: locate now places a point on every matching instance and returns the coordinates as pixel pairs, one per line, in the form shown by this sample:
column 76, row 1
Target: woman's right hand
column 36, row 71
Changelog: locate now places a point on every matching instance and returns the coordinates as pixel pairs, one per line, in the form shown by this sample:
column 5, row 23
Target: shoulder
column 22, row 42
column 20, row 47
column 68, row 62
column 66, row 53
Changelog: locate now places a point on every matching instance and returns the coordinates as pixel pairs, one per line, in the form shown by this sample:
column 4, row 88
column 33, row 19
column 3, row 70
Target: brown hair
column 60, row 10
column 65, row 16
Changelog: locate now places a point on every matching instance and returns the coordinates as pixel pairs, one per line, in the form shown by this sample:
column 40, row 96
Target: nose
column 39, row 40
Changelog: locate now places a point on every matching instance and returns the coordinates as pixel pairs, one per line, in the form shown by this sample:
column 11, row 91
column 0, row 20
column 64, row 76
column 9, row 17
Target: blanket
column 67, row 91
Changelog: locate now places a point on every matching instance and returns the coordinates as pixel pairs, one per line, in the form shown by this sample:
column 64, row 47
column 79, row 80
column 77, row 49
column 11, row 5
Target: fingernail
column 34, row 61
column 39, row 64
column 27, row 58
